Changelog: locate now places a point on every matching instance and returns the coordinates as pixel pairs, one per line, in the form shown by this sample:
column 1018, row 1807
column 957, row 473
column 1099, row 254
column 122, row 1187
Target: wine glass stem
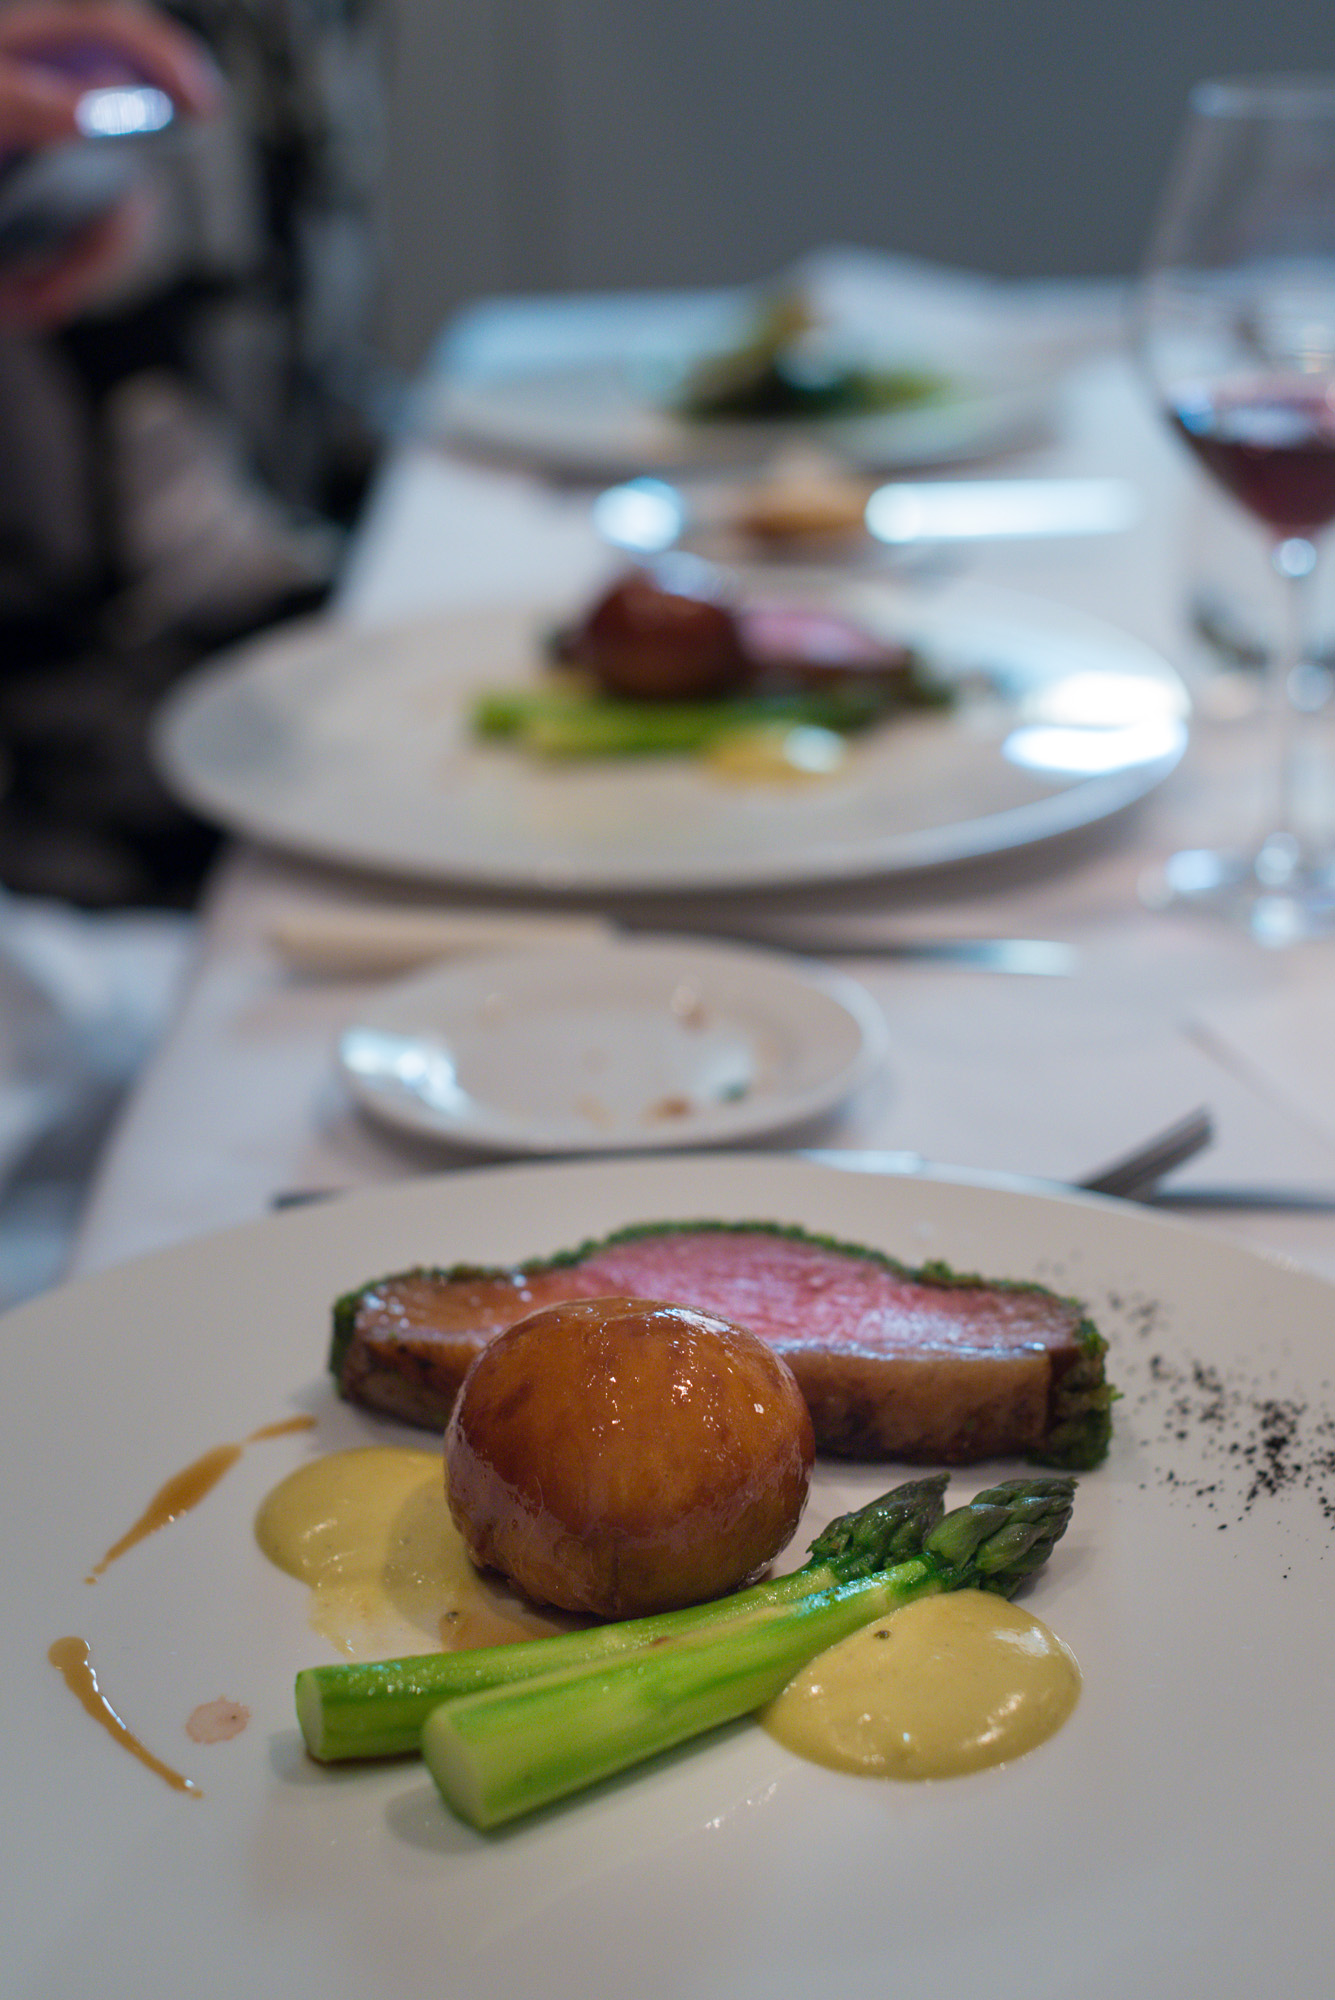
column 1281, row 853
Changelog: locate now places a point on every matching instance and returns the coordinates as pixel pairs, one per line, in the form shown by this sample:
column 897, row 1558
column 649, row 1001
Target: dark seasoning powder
column 1226, row 1440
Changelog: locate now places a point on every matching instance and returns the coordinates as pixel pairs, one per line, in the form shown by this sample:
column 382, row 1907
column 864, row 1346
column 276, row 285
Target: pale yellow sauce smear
column 947, row 1685
column 777, row 754
column 370, row 1531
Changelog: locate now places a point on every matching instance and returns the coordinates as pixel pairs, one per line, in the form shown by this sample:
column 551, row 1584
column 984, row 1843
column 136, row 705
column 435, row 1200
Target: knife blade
column 352, row 942
column 1035, row 958
column 646, row 517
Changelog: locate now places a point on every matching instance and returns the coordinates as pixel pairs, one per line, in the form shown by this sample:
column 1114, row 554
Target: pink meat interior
column 799, row 1294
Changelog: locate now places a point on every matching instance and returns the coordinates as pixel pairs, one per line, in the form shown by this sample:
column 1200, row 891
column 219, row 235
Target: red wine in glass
column 1272, row 445
column 1236, row 332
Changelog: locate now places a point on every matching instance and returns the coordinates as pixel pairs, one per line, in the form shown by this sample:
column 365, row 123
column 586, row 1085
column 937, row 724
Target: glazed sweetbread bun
column 624, row 1456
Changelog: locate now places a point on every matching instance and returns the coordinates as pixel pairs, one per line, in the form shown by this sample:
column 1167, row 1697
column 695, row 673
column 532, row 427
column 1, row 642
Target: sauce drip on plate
column 185, row 1489
column 948, row 1684
column 72, row 1657
column 73, row 1661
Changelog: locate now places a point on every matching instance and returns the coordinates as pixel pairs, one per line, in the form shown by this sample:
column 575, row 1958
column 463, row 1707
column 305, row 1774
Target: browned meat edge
column 402, row 1344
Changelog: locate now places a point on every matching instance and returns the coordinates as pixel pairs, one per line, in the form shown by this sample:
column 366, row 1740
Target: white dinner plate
column 612, row 417
column 353, row 746
column 1172, row 1841
column 625, row 1047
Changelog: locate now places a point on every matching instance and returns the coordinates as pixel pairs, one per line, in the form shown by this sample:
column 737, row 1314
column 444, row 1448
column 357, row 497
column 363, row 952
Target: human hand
column 38, row 96
column 38, row 99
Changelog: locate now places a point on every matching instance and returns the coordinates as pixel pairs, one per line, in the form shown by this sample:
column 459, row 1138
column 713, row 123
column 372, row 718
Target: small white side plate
column 626, row 1047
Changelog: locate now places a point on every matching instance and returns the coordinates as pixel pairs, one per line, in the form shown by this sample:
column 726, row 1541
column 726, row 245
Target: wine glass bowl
column 1236, row 332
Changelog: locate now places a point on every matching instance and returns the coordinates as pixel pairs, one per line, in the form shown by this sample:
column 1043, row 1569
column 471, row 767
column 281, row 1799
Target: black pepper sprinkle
column 1225, row 1440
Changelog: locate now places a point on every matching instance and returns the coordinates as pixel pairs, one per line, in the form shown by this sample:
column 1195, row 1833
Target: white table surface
column 1047, row 1076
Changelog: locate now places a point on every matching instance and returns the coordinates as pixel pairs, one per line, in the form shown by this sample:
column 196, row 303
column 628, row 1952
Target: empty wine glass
column 1236, row 329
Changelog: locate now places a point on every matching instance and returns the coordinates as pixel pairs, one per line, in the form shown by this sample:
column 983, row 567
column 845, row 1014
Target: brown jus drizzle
column 185, row 1489
column 73, row 1661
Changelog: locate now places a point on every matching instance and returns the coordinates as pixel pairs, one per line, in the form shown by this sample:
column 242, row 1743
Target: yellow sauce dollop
column 370, row 1531
column 778, row 754
column 948, row 1684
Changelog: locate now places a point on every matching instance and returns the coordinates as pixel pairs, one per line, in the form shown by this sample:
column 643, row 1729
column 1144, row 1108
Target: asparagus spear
column 378, row 1710
column 509, row 1750
column 556, row 723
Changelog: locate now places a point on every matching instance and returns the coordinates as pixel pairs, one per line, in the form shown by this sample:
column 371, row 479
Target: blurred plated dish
column 788, row 370
column 615, row 417
column 355, row 746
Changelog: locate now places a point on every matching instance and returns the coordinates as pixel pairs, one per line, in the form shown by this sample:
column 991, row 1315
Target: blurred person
column 39, row 104
column 184, row 391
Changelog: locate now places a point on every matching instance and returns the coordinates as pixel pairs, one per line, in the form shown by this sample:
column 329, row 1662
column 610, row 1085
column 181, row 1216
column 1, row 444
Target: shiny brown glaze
column 622, row 1456
column 73, row 1661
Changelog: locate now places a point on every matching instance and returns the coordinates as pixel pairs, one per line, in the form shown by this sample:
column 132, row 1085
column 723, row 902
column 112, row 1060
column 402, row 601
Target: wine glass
column 1236, row 330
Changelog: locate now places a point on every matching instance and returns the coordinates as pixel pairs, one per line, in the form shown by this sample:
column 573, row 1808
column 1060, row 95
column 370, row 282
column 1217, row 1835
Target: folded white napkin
column 906, row 306
column 364, row 940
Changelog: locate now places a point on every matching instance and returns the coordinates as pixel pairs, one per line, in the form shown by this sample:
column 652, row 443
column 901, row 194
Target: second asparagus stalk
column 510, row 1750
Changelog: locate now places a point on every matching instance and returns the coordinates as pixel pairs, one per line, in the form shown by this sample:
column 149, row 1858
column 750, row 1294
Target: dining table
column 1029, row 1012
column 1045, row 1069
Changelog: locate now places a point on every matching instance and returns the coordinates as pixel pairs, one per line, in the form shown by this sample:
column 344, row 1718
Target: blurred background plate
column 601, row 417
column 352, row 745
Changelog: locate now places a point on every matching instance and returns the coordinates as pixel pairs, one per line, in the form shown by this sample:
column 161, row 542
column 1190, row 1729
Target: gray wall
column 572, row 144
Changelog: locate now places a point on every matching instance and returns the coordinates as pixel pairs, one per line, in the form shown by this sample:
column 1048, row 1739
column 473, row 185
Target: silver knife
column 1296, row 1200
column 362, row 941
column 1041, row 958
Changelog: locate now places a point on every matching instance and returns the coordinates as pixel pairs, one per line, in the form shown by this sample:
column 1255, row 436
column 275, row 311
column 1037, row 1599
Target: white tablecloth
column 1046, row 1076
